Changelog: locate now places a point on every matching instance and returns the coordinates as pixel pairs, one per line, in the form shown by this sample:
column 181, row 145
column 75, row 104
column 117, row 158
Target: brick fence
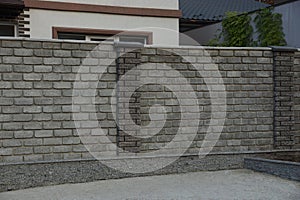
column 37, row 82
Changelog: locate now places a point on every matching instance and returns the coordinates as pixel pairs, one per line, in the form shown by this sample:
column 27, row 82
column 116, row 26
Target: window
column 7, row 30
column 139, row 39
column 102, row 38
column 70, row 36
column 98, row 35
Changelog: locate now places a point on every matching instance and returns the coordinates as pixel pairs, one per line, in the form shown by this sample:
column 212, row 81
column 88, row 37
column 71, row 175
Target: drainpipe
column 118, row 46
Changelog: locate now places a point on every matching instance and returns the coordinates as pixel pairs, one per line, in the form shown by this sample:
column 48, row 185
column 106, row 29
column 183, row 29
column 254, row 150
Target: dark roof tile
column 214, row 10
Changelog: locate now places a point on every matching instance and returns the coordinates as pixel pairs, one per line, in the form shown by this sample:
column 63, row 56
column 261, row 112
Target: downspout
column 118, row 46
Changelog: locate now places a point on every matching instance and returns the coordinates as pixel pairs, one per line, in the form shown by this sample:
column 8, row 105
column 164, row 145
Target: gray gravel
column 230, row 184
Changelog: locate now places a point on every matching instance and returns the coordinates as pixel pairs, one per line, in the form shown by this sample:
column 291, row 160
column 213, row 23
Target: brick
column 69, row 156
column 79, row 54
column 264, row 60
column 249, row 60
column 62, row 149
column 22, row 85
column 12, row 60
column 43, row 69
column 61, row 116
column 32, row 45
column 32, row 77
column 61, row 53
column 32, row 93
column 52, row 93
column 42, row 117
column 23, row 68
column 52, row 109
column 71, row 61
column 23, row 101
column 52, row 125
column 256, row 53
column 23, row 151
column 234, row 60
column 42, row 149
column 51, row 45
column 62, row 85
column 33, row 60
column 6, row 101
column 70, row 46
column 52, row 61
column 5, row 68
column 43, row 101
column 33, row 158
column 62, row 69
column 12, row 109
column 43, row 133
column 12, row 93
column 71, row 140
column 43, row 53
column 43, row 85
column 226, row 53
column 23, row 52
column 148, row 51
column 32, row 126
column 62, row 133
column 51, row 77
column 12, row 143
column 79, row 148
column 6, row 151
column 6, row 52
column 6, row 134
column 22, row 118
column 5, row 118
column 52, row 141
column 11, row 43
column 88, row 47
column 5, row 85
column 13, row 159
column 12, row 77
column 241, row 53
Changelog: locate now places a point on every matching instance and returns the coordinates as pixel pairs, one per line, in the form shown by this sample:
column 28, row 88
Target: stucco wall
column 42, row 21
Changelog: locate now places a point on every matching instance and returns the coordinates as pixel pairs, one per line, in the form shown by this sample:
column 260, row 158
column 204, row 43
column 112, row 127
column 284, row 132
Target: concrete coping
column 146, row 46
column 284, row 48
column 274, row 161
column 272, row 48
column 210, row 47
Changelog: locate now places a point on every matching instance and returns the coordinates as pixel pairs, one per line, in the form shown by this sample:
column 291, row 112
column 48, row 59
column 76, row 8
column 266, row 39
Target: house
column 202, row 19
column 95, row 20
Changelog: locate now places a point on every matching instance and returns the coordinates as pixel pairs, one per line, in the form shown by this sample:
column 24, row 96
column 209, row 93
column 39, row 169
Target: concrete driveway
column 233, row 184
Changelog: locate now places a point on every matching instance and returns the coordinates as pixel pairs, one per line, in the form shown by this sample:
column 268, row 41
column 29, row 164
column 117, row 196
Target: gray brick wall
column 296, row 100
column 37, row 79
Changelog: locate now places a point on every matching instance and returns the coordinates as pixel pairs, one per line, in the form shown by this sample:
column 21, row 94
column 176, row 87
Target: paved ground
column 235, row 184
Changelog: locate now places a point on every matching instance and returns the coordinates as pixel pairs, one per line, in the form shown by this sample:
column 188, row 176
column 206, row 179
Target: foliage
column 269, row 28
column 237, row 31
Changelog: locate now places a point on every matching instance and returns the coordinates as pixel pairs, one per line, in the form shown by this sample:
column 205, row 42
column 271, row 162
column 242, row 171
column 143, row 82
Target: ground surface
column 235, row 184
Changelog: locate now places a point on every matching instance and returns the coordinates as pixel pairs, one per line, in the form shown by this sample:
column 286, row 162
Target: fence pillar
column 283, row 97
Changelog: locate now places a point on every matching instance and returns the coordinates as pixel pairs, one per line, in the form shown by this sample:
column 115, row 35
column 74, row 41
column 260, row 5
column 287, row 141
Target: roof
column 10, row 8
column 12, row 2
column 214, row 10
